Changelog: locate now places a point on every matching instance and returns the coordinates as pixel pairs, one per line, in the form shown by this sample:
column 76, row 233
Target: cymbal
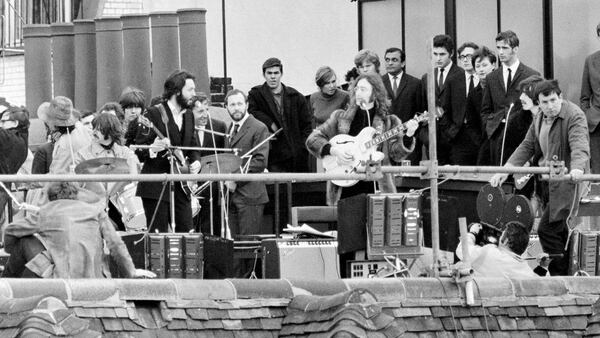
column 103, row 165
column 228, row 163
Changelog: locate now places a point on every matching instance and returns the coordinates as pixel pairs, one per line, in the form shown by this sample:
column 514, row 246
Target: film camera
column 495, row 208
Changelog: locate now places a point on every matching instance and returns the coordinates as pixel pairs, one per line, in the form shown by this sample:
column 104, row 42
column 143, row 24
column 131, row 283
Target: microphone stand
column 504, row 134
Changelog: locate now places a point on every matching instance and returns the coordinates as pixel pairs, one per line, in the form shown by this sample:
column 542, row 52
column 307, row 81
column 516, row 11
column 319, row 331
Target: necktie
column 509, row 79
column 471, row 84
column 236, row 127
column 441, row 78
column 395, row 85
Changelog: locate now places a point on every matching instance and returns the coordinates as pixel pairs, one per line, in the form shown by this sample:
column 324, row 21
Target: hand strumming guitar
column 411, row 128
column 341, row 153
column 160, row 144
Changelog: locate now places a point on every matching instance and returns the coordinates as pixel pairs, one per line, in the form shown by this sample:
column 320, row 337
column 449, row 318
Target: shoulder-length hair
column 378, row 96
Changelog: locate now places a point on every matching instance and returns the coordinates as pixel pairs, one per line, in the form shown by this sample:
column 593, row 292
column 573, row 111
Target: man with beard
column 247, row 199
column 279, row 106
column 174, row 120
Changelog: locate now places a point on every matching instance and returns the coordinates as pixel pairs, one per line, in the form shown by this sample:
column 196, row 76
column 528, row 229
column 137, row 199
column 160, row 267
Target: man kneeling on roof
column 502, row 260
column 69, row 239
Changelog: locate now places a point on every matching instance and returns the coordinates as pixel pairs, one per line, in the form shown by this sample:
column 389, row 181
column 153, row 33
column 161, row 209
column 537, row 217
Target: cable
column 449, row 306
column 487, row 328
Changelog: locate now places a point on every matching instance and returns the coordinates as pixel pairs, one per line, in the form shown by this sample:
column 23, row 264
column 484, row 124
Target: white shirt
column 201, row 135
column 468, row 79
column 513, row 70
column 445, row 74
column 177, row 114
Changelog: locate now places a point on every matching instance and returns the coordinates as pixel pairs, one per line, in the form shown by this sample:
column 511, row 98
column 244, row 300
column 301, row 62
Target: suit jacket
column 473, row 111
column 590, row 97
column 249, row 136
column 454, row 70
column 207, row 142
column 295, row 121
column 454, row 101
column 497, row 99
column 160, row 164
column 407, row 101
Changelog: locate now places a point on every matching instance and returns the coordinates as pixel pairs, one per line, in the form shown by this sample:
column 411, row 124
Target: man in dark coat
column 403, row 90
column 14, row 133
column 501, row 97
column 445, row 70
column 559, row 134
column 204, row 138
column 178, row 131
column 590, row 103
column 279, row 106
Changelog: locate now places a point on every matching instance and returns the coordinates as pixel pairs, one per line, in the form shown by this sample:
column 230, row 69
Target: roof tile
column 490, row 323
column 129, row 325
column 217, row 314
column 525, row 324
column 593, row 329
column 450, row 323
column 471, row 323
column 561, row 323
column 195, row 324
column 103, row 312
column 201, row 314
column 263, row 288
column 252, row 324
column 178, row 314
column 537, row 287
column 586, row 300
column 543, row 323
column 271, row 323
column 177, row 324
column 121, row 312
column 420, row 324
column 213, row 324
column 548, row 302
column 516, row 311
column 111, row 324
column 554, row 311
column 506, row 323
column 571, row 310
column 534, row 311
column 390, row 289
column 194, row 303
column 411, row 312
column 235, row 324
column 578, row 322
column 478, row 311
column 320, row 288
column 84, row 312
column 277, row 312
column 439, row 311
column 498, row 311
column 12, row 320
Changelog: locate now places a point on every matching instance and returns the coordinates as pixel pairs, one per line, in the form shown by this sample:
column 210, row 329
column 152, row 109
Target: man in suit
column 454, row 100
column 204, row 123
column 403, row 90
column 248, row 199
column 175, row 121
column 590, row 103
column 501, row 97
column 279, row 106
column 445, row 69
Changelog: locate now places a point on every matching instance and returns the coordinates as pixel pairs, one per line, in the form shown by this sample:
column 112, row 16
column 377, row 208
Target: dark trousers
column 553, row 238
column 202, row 220
column 183, row 212
column 595, row 150
column 463, row 150
column 244, row 219
column 22, row 251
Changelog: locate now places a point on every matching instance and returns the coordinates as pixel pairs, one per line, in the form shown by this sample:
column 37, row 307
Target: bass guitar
column 180, row 165
column 363, row 148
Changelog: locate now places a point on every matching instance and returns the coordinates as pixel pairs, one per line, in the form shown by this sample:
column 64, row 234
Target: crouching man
column 69, row 239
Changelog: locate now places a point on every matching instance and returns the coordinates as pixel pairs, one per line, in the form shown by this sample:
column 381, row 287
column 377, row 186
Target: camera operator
column 503, row 260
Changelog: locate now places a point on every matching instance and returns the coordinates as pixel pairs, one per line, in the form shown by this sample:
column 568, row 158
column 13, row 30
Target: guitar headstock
column 145, row 121
column 439, row 112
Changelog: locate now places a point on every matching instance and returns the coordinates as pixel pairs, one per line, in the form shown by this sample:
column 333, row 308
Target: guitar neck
column 392, row 132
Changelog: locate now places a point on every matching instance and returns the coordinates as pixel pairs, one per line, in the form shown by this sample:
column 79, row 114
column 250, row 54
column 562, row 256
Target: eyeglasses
column 465, row 57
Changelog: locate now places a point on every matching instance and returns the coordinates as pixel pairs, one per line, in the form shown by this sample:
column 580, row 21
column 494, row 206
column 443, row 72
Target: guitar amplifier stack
column 179, row 255
column 315, row 259
column 583, row 253
column 393, row 224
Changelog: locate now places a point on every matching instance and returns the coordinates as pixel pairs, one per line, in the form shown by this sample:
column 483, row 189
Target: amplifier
column 301, row 259
column 192, row 256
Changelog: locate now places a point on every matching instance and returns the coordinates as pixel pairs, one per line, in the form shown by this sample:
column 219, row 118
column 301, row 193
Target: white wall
column 303, row 34
column 12, row 79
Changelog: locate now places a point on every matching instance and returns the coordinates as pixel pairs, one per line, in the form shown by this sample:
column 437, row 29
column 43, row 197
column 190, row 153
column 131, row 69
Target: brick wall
column 12, row 79
column 119, row 7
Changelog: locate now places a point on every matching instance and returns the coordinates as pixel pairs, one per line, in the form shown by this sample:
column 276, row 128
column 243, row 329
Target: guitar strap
column 164, row 117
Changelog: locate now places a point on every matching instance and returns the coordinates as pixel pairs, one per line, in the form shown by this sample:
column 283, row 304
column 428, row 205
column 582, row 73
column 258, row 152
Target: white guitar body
column 361, row 154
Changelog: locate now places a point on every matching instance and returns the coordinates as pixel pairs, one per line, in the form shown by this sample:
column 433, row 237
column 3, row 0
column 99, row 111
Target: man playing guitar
column 176, row 123
column 368, row 108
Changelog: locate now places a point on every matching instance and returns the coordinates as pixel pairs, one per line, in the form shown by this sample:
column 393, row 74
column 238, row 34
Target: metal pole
column 433, row 165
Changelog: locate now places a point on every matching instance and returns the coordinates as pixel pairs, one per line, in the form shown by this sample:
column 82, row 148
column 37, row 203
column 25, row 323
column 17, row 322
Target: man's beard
column 182, row 102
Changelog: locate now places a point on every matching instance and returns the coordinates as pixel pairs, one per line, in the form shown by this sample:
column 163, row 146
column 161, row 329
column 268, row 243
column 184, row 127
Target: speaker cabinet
column 315, row 259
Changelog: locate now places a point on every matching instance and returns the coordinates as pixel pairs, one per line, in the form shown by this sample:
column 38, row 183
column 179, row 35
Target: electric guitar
column 363, row 148
column 180, row 165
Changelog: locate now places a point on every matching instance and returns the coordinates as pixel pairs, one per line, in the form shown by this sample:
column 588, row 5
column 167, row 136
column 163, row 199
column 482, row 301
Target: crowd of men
column 495, row 111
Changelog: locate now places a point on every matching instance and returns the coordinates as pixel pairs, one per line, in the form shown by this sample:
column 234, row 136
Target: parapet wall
column 264, row 308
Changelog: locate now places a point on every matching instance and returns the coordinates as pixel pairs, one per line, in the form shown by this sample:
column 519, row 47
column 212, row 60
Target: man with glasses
column 403, row 90
column 454, row 101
